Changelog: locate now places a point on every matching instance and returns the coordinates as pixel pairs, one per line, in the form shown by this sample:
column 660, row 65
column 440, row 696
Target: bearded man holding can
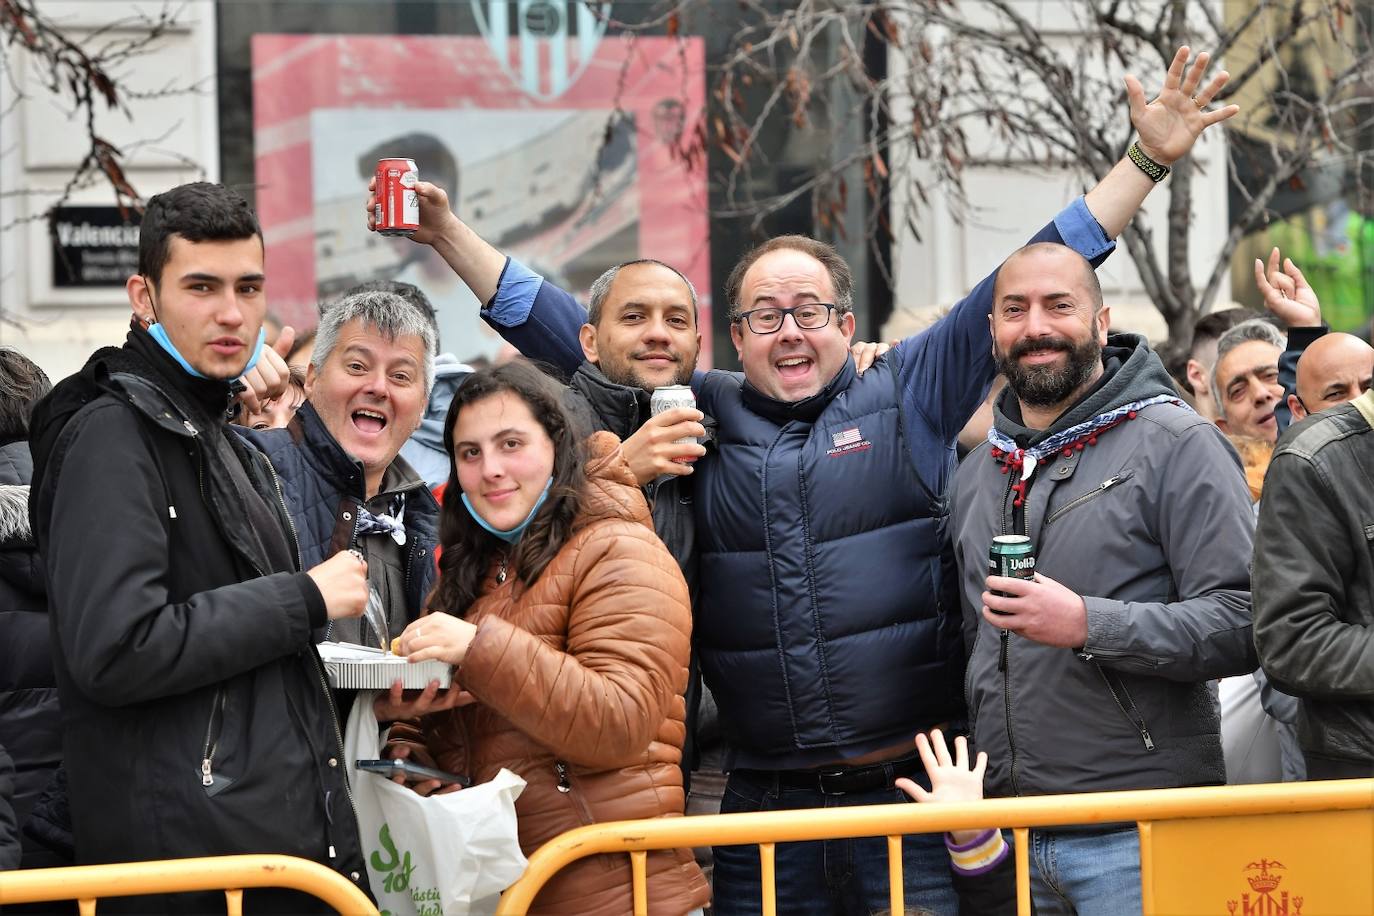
column 1093, row 674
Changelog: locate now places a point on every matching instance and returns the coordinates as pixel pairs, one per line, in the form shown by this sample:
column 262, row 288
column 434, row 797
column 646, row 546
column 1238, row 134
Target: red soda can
column 398, row 203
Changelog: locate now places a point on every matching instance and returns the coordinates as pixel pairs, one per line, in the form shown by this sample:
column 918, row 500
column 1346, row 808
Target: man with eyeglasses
column 820, row 519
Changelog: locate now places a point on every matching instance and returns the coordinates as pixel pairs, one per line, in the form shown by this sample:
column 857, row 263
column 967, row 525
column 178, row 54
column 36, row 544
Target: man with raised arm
column 820, row 518
column 1319, row 369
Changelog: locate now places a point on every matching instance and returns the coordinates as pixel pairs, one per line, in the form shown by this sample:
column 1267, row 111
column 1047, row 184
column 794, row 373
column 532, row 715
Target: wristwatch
column 1155, row 170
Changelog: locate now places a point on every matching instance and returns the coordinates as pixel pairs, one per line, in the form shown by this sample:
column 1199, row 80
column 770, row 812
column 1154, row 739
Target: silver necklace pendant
column 501, row 573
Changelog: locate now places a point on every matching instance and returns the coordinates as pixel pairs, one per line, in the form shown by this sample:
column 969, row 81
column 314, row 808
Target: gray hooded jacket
column 1152, row 525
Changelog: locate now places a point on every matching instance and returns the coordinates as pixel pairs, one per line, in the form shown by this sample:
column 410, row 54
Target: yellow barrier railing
column 230, row 874
column 1202, row 849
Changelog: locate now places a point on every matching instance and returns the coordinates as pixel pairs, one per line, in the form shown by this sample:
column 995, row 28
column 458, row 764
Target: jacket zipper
column 584, row 813
column 1004, row 648
column 1091, row 494
column 1136, row 720
column 315, row 658
column 286, row 513
column 207, row 778
column 352, row 543
column 334, row 721
column 565, row 785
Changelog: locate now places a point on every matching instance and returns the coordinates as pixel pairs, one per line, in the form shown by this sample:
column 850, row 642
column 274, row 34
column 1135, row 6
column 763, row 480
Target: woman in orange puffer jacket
column 570, row 624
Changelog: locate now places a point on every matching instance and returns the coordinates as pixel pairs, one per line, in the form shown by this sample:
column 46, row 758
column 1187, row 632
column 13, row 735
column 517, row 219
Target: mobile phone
column 412, row 772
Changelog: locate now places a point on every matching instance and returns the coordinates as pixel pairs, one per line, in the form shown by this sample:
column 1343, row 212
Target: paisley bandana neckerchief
column 1075, row 438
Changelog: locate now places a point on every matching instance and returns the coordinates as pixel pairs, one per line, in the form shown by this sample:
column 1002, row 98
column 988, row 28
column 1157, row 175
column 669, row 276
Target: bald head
column 1334, row 368
column 1051, row 259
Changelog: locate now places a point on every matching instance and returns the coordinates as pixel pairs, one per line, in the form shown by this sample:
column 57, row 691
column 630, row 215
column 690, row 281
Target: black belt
column 843, row 780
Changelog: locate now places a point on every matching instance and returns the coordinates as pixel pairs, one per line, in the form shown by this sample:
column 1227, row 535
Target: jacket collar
column 206, row 399
column 622, row 409
column 805, row 410
column 318, row 447
column 140, row 373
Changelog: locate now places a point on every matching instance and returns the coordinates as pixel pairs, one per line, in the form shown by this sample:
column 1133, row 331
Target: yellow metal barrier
column 231, row 874
column 1223, row 850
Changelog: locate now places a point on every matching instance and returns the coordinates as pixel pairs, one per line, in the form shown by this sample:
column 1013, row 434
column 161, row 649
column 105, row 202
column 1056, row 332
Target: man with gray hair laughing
column 1246, row 380
column 339, row 462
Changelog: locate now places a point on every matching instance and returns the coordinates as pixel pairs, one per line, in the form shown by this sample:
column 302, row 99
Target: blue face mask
column 513, row 535
column 159, row 334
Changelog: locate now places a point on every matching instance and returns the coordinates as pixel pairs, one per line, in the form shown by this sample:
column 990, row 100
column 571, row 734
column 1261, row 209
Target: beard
column 1049, row 385
column 625, row 371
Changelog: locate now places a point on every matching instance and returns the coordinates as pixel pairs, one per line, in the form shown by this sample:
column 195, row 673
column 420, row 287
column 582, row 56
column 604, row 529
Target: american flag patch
column 848, row 437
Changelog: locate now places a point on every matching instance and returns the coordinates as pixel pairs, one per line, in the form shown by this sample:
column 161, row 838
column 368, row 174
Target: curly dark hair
column 198, row 212
column 468, row 548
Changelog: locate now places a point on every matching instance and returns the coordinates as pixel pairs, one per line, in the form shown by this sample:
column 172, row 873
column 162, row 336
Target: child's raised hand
column 950, row 780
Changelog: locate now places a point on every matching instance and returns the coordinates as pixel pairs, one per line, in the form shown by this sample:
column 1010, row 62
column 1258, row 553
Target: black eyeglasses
column 809, row 317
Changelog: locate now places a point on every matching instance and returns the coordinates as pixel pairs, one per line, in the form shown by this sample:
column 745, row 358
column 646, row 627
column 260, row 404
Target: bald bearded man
column 1334, row 368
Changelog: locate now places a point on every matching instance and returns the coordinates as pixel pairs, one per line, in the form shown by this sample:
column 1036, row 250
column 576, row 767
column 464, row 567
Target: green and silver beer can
column 1011, row 556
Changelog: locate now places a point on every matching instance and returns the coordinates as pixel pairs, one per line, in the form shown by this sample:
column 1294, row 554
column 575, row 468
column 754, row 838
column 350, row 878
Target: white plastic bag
column 448, row 854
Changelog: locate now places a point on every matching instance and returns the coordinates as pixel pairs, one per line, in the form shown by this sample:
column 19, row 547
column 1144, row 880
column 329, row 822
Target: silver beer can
column 666, row 397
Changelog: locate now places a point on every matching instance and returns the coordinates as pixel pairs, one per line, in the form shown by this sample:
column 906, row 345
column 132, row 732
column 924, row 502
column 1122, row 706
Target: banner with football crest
column 559, row 142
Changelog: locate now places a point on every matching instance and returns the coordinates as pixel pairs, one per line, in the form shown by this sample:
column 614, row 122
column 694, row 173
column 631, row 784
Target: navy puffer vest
column 821, row 624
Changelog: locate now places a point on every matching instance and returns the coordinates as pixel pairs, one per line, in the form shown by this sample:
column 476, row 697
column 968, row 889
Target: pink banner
column 563, row 154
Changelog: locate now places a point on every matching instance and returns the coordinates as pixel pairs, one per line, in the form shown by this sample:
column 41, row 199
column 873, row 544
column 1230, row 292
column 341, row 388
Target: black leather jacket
column 1313, row 579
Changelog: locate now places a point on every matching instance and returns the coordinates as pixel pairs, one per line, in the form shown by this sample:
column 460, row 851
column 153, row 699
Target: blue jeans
column 830, row 876
column 1085, row 872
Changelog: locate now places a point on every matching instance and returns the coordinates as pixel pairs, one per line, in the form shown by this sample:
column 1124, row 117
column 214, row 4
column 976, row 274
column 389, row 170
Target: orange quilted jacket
column 579, row 682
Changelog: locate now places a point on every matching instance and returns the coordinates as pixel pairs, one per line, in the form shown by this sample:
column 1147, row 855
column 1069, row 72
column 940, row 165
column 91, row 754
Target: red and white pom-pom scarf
column 1074, row 439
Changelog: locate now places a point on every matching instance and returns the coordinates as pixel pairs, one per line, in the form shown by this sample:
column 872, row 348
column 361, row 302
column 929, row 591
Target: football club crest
column 1267, row 899
column 553, row 40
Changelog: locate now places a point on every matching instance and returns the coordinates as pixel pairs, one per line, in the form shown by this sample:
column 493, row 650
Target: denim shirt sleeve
column 946, row 369
column 537, row 317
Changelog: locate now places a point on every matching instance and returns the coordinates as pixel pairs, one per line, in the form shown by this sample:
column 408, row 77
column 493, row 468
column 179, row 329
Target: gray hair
column 1246, row 331
column 387, row 313
column 602, row 288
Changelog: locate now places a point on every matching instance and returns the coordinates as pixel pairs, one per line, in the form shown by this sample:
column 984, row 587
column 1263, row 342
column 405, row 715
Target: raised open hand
column 1170, row 125
column 952, row 779
column 1287, row 293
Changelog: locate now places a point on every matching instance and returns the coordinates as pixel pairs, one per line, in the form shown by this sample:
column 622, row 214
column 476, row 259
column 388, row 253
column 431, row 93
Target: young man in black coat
column 196, row 717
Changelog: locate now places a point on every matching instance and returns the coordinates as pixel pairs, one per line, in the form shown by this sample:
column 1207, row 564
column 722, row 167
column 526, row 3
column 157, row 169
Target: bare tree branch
column 85, row 74
column 980, row 81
